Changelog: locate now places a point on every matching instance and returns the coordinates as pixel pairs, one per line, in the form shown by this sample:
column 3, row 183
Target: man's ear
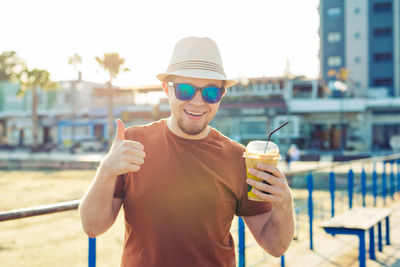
column 165, row 88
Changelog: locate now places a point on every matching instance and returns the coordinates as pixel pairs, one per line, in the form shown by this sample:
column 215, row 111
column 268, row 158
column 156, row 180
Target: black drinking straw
column 269, row 136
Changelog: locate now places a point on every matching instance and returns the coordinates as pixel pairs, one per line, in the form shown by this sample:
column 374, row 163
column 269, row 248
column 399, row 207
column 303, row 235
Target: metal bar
column 350, row 187
column 384, row 187
column 387, row 230
column 241, row 243
column 361, row 256
column 283, row 260
column 336, row 164
column 398, row 175
column 92, row 252
column 310, row 207
column 374, row 184
column 359, row 232
column 332, row 189
column 380, row 236
column 392, row 189
column 39, row 210
column 363, row 186
column 372, row 243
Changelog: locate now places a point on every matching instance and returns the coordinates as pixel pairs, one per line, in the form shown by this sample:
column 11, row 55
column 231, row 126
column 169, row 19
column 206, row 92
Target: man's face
column 189, row 119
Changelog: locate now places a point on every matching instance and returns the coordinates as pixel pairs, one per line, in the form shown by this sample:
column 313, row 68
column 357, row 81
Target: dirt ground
column 55, row 239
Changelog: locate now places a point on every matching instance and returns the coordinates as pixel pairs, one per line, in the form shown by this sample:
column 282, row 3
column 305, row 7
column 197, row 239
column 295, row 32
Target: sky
column 256, row 38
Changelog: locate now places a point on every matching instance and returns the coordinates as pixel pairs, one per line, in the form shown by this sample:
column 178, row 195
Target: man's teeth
column 194, row 113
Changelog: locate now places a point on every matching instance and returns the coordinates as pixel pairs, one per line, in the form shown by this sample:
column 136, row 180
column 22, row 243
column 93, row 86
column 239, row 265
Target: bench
column 356, row 222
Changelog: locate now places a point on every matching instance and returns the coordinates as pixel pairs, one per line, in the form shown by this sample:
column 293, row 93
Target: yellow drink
column 257, row 152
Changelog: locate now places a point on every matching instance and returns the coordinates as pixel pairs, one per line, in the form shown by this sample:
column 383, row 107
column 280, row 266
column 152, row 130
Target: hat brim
column 198, row 74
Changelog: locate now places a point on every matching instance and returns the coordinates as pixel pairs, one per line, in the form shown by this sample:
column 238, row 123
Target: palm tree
column 32, row 79
column 75, row 60
column 114, row 65
column 10, row 66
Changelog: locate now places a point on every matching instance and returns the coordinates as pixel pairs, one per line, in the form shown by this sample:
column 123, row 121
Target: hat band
column 196, row 65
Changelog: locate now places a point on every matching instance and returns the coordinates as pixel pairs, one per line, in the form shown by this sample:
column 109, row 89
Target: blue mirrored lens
column 212, row 94
column 184, row 91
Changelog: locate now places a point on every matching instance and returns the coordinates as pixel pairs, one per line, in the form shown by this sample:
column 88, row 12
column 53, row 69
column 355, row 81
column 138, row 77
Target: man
column 181, row 181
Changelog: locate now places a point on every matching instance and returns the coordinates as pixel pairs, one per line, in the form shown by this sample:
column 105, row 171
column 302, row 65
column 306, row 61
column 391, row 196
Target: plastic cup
column 257, row 152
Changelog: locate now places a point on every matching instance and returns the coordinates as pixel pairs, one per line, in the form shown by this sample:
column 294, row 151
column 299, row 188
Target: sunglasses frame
column 201, row 89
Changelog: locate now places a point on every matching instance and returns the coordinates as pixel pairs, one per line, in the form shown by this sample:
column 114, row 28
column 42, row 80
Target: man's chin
column 191, row 130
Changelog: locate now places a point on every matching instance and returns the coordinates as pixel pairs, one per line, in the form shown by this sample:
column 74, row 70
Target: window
column 357, row 35
column 253, row 127
column 356, row 10
column 383, row 82
column 334, row 37
column 383, row 57
column 334, row 61
column 383, row 7
column 382, row 32
column 67, row 98
column 357, row 59
column 334, row 12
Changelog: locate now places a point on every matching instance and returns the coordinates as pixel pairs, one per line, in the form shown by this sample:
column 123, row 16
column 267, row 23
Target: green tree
column 32, row 79
column 114, row 65
column 10, row 66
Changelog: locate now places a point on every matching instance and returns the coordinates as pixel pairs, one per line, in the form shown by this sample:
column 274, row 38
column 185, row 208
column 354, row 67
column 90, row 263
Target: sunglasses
column 186, row 92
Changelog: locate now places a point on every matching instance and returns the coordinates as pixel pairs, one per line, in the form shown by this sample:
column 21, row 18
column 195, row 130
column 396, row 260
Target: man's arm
column 99, row 208
column 273, row 230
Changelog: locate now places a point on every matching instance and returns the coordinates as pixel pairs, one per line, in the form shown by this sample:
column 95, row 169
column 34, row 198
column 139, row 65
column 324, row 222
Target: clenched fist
column 124, row 155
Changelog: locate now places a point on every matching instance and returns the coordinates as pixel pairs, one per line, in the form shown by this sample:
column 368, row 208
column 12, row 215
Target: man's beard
column 190, row 130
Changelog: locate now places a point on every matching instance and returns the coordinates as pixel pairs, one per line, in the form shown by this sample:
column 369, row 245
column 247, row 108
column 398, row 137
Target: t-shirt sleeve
column 119, row 191
column 248, row 207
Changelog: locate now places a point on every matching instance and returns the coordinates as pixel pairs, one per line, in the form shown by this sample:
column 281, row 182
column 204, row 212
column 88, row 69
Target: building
column 360, row 48
column 319, row 122
column 75, row 113
column 360, row 43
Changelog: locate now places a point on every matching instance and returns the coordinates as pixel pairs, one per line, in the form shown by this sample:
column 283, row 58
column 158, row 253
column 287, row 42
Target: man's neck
column 174, row 128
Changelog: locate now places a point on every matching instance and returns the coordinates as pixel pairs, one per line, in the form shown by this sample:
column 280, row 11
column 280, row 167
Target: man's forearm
column 278, row 231
column 96, row 209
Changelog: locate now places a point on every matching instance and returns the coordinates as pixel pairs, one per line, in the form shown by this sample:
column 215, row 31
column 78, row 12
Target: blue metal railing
column 361, row 190
column 92, row 252
column 373, row 185
column 352, row 191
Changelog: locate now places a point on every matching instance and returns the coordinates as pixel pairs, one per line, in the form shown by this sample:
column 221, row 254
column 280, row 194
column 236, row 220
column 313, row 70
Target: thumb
column 120, row 135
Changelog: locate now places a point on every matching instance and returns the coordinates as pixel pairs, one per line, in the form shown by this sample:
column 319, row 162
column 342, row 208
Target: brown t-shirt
column 180, row 205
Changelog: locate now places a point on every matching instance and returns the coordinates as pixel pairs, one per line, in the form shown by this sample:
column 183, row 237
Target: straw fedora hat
column 196, row 58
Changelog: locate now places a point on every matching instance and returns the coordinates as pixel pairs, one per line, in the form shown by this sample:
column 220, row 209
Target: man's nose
column 197, row 99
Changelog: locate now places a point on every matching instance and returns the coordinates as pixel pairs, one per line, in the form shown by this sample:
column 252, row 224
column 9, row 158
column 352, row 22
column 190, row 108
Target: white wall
column 357, row 47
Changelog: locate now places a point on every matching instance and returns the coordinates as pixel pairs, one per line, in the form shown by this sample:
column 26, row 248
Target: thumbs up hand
column 120, row 131
column 124, row 155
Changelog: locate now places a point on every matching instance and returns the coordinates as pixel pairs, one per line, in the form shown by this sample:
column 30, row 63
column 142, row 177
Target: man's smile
column 194, row 113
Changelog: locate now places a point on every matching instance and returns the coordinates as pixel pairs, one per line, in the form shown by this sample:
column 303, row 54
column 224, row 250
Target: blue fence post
column 363, row 186
column 384, row 187
column 392, row 189
column 398, row 175
column 92, row 252
column 241, row 237
column 374, row 184
column 310, row 187
column 332, row 189
column 350, row 187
